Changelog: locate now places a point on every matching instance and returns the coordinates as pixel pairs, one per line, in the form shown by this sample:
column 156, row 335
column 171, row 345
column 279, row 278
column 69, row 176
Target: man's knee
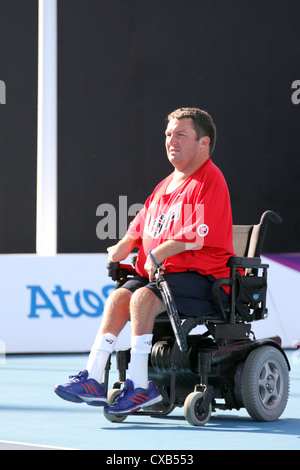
column 121, row 293
column 144, row 298
column 119, row 298
column 139, row 296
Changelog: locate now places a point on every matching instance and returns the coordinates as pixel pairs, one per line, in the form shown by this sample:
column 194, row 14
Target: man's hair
column 202, row 123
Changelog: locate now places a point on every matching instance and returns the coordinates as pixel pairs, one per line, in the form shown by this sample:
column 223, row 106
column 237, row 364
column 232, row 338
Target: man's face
column 183, row 148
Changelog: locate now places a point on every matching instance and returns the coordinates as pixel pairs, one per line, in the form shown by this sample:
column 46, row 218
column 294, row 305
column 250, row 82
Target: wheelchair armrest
column 245, row 262
column 217, row 285
column 118, row 271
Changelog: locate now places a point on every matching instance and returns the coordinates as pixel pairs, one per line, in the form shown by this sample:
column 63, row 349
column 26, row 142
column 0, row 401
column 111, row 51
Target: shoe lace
column 79, row 377
column 122, row 395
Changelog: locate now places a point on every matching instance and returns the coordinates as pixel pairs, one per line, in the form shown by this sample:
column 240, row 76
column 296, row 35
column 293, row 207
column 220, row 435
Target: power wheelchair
column 225, row 367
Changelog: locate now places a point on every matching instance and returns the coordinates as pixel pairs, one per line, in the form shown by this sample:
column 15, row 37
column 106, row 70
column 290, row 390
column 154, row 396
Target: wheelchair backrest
column 241, row 239
column 248, row 239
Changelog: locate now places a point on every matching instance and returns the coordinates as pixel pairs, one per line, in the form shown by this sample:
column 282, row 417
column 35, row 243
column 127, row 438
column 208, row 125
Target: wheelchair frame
column 225, row 367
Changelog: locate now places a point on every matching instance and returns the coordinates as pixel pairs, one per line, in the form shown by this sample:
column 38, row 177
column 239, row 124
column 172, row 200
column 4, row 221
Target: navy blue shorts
column 191, row 291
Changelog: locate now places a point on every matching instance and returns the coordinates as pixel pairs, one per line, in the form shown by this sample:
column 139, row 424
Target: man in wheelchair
column 185, row 230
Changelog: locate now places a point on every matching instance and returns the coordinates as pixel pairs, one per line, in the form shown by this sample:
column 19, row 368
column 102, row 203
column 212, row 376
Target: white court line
column 8, row 444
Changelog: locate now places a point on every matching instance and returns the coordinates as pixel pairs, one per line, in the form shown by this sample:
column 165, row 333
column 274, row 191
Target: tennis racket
column 173, row 314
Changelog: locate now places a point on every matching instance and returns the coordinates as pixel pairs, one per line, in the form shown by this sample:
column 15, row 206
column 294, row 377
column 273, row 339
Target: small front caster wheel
column 194, row 412
column 111, row 396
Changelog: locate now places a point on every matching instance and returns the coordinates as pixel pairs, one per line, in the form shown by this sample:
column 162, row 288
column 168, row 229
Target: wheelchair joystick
column 113, row 270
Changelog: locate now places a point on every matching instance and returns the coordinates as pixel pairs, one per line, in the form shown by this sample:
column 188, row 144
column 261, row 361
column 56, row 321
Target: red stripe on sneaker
column 84, row 388
column 136, row 401
column 94, row 389
column 138, row 398
column 135, row 409
column 143, row 396
column 89, row 389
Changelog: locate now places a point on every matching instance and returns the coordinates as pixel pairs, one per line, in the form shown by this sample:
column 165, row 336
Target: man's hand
column 151, row 268
column 166, row 250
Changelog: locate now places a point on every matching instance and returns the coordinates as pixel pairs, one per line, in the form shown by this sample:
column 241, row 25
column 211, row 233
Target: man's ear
column 205, row 141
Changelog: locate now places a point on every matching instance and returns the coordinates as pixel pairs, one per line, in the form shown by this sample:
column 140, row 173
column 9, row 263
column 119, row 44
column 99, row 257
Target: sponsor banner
column 52, row 304
column 55, row 304
column 282, row 300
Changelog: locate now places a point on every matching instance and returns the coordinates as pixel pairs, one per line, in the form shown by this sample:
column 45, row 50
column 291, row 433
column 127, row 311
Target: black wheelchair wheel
column 265, row 383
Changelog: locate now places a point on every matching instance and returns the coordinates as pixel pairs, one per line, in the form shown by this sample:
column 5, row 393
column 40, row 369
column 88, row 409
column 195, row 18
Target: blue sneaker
column 81, row 389
column 132, row 399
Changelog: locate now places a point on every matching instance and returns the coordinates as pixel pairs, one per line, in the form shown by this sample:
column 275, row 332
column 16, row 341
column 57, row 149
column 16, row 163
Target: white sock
column 140, row 350
column 100, row 352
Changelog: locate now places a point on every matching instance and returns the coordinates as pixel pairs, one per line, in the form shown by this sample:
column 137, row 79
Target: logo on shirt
column 203, row 230
column 155, row 226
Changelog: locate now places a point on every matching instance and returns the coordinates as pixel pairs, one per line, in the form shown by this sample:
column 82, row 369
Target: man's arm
column 121, row 250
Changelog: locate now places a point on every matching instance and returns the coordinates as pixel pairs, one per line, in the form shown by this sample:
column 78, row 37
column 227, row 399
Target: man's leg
column 116, row 314
column 144, row 307
column 138, row 392
column 87, row 385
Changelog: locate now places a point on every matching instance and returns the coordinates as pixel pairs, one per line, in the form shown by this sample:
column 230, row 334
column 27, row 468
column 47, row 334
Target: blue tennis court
column 33, row 417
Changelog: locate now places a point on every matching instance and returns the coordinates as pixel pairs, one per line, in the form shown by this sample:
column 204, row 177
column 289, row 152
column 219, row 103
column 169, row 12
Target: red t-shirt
column 199, row 212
